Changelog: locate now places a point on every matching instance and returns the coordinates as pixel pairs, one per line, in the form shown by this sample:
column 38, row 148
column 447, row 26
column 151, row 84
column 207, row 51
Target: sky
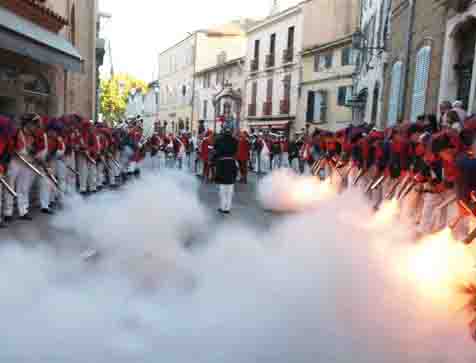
column 140, row 29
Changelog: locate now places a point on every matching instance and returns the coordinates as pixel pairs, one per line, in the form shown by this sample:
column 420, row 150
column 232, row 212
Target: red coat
column 204, row 149
column 243, row 153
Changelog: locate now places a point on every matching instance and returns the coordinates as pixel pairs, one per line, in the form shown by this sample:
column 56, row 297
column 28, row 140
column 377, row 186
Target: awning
column 21, row 36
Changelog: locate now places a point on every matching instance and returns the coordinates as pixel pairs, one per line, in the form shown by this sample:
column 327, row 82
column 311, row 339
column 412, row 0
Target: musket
column 405, row 182
column 114, row 161
column 52, row 178
column 88, row 157
column 450, row 200
column 378, row 182
column 392, row 190
column 30, row 165
column 372, row 182
column 360, row 175
column 316, row 166
column 332, row 164
column 408, row 189
column 72, row 170
column 8, row 187
column 103, row 160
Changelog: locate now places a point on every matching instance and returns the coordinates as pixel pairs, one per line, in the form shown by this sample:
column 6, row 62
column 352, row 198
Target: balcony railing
column 288, row 55
column 270, row 60
column 252, row 109
column 254, row 65
column 284, row 107
column 267, row 108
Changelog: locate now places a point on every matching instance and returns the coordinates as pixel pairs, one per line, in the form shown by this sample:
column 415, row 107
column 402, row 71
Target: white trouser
column 61, row 174
column 126, row 155
column 226, row 196
column 100, row 177
column 21, row 178
column 427, row 222
column 1, row 201
column 92, row 177
column 45, row 192
column 83, row 170
column 70, row 186
column 285, row 160
column 277, row 161
column 264, row 163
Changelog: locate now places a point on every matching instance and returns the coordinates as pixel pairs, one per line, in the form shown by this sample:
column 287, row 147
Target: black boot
column 26, row 217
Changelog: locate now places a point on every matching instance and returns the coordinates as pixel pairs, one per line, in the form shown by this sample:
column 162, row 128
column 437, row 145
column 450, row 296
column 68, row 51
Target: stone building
column 48, row 57
column 328, row 63
column 458, row 73
column 370, row 46
column 412, row 79
column 273, row 74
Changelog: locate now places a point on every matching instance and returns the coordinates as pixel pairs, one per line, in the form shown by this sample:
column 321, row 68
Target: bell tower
column 274, row 8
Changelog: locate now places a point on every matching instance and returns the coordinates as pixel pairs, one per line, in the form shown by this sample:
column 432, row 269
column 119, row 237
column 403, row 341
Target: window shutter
column 317, row 105
column 345, row 56
column 310, row 106
column 329, row 60
column 316, row 62
column 420, row 84
column 395, row 93
column 324, row 106
column 341, row 96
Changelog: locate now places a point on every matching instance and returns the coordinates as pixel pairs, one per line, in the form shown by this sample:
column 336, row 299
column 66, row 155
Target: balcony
column 254, row 64
column 457, row 5
column 270, row 60
column 288, row 55
column 252, row 109
column 267, row 108
column 284, row 107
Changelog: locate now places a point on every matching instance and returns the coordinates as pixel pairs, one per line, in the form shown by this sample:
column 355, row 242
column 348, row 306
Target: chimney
column 274, row 8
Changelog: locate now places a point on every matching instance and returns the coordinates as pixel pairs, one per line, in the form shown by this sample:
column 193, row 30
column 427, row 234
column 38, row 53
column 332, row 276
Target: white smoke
column 320, row 286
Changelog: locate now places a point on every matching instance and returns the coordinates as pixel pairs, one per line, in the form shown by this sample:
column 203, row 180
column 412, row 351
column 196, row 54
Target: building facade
column 327, row 85
column 273, row 74
column 178, row 65
column 210, row 82
column 458, row 72
column 48, row 57
column 371, row 51
column 412, row 78
column 328, row 63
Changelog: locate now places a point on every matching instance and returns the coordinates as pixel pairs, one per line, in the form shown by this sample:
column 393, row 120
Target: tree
column 115, row 93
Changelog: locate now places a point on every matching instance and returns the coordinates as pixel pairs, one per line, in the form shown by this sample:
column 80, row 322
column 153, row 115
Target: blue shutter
column 395, row 94
column 422, row 71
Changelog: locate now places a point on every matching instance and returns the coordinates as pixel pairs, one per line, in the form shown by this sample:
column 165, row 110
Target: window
column 395, row 94
column 342, row 95
column 346, row 56
column 221, row 57
column 257, row 51
column 205, row 110
column 254, row 93
column 206, row 80
column 272, row 44
column 422, row 70
column 287, row 87
column 269, row 90
column 322, row 61
column 291, row 37
column 316, row 106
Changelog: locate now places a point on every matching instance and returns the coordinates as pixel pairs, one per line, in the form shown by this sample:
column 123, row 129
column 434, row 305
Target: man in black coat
column 226, row 147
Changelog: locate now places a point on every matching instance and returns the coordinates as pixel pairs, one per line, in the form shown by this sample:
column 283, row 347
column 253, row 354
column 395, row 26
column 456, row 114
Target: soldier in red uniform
column 20, row 176
column 243, row 156
column 7, row 132
column 56, row 161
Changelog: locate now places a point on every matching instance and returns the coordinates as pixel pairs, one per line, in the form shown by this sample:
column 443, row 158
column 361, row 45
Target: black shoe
column 226, row 212
column 7, row 219
column 47, row 211
column 26, row 217
column 3, row 225
column 221, row 211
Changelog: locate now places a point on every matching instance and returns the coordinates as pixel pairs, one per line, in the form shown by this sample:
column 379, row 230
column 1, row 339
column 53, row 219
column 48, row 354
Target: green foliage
column 115, row 93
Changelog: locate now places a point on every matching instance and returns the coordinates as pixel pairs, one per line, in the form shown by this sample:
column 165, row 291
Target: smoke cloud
column 323, row 285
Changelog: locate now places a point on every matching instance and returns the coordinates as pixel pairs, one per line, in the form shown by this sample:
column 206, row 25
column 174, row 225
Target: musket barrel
column 8, row 187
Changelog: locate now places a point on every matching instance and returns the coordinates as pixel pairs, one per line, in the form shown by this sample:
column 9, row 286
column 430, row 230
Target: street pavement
column 246, row 210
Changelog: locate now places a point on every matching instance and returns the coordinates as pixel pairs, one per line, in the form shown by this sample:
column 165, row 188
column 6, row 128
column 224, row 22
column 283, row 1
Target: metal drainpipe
column 193, row 79
column 411, row 21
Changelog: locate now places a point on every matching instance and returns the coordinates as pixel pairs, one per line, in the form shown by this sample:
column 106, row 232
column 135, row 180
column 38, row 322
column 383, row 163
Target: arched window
column 395, row 93
column 420, row 84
